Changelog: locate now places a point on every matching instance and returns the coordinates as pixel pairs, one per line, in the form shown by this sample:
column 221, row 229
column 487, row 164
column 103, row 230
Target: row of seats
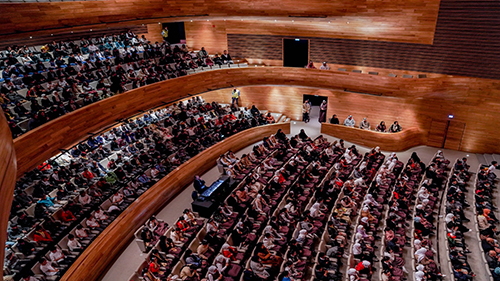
column 395, row 226
column 428, row 200
column 485, row 219
column 457, row 249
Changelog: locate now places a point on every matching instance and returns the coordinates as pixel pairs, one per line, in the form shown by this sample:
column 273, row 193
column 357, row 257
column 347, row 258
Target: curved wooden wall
column 401, row 141
column 24, row 17
column 7, row 179
column 419, row 102
column 95, row 260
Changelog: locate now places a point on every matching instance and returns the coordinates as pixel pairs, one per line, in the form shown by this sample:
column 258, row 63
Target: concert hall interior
column 249, row 141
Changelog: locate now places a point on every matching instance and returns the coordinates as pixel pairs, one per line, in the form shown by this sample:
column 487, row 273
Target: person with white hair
column 349, row 121
column 324, row 66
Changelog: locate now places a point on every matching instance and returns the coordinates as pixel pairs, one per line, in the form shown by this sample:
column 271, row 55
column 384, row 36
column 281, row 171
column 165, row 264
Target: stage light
column 451, row 116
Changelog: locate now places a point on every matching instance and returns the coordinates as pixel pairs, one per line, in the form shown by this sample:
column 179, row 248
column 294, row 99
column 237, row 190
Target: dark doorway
column 176, row 33
column 314, row 99
column 315, row 112
column 295, row 52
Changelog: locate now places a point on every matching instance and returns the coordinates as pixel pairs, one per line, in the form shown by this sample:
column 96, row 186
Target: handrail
column 400, row 141
column 94, row 261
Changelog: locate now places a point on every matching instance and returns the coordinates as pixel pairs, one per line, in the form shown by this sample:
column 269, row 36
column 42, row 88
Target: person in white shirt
column 100, row 215
column 47, row 268
column 93, row 48
column 349, row 122
column 93, row 224
column 56, row 255
column 84, row 198
column 73, row 244
column 324, row 66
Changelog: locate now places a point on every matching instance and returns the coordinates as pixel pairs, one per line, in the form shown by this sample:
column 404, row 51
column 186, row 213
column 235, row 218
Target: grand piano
column 211, row 197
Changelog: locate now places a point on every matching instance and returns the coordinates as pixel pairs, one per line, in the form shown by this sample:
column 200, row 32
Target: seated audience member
column 334, row 120
column 324, row 66
column 365, row 125
column 395, row 127
column 381, row 127
column 349, row 121
column 47, row 268
column 310, row 65
column 73, row 244
column 226, row 58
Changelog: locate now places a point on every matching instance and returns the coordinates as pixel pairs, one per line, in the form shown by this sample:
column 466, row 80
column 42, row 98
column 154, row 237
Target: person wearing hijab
column 381, row 127
column 496, row 274
column 334, row 120
column 349, row 121
column 395, row 127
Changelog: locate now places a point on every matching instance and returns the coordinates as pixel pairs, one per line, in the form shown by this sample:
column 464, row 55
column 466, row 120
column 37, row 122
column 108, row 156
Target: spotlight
column 31, row 37
column 451, row 116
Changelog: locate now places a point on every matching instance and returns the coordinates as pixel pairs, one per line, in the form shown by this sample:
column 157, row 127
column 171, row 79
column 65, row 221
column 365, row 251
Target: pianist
column 199, row 184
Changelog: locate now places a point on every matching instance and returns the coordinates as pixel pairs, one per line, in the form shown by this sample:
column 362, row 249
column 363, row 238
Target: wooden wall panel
column 209, row 34
column 265, row 98
column 399, row 28
column 454, row 135
column 412, row 16
column 390, row 142
column 255, row 46
column 7, row 180
column 414, row 102
column 436, row 133
column 154, row 32
column 95, row 260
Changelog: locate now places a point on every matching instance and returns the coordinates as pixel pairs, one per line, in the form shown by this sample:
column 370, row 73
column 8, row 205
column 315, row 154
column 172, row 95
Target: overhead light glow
column 451, row 116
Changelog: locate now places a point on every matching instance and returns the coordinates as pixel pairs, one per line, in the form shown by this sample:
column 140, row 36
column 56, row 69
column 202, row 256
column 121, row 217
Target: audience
column 64, row 76
column 83, row 184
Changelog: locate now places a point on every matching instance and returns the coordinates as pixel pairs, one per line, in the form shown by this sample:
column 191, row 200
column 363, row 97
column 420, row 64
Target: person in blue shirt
column 49, row 203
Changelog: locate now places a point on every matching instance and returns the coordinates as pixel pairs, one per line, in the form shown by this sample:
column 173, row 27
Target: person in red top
column 41, row 235
column 87, row 174
column 154, row 268
column 185, row 226
column 67, row 215
column 364, row 267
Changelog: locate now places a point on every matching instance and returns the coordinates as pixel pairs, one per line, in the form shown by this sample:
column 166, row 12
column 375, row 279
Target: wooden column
column 7, row 180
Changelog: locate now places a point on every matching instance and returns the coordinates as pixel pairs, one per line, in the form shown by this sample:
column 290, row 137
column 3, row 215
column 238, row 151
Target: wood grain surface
column 7, row 179
column 401, row 141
